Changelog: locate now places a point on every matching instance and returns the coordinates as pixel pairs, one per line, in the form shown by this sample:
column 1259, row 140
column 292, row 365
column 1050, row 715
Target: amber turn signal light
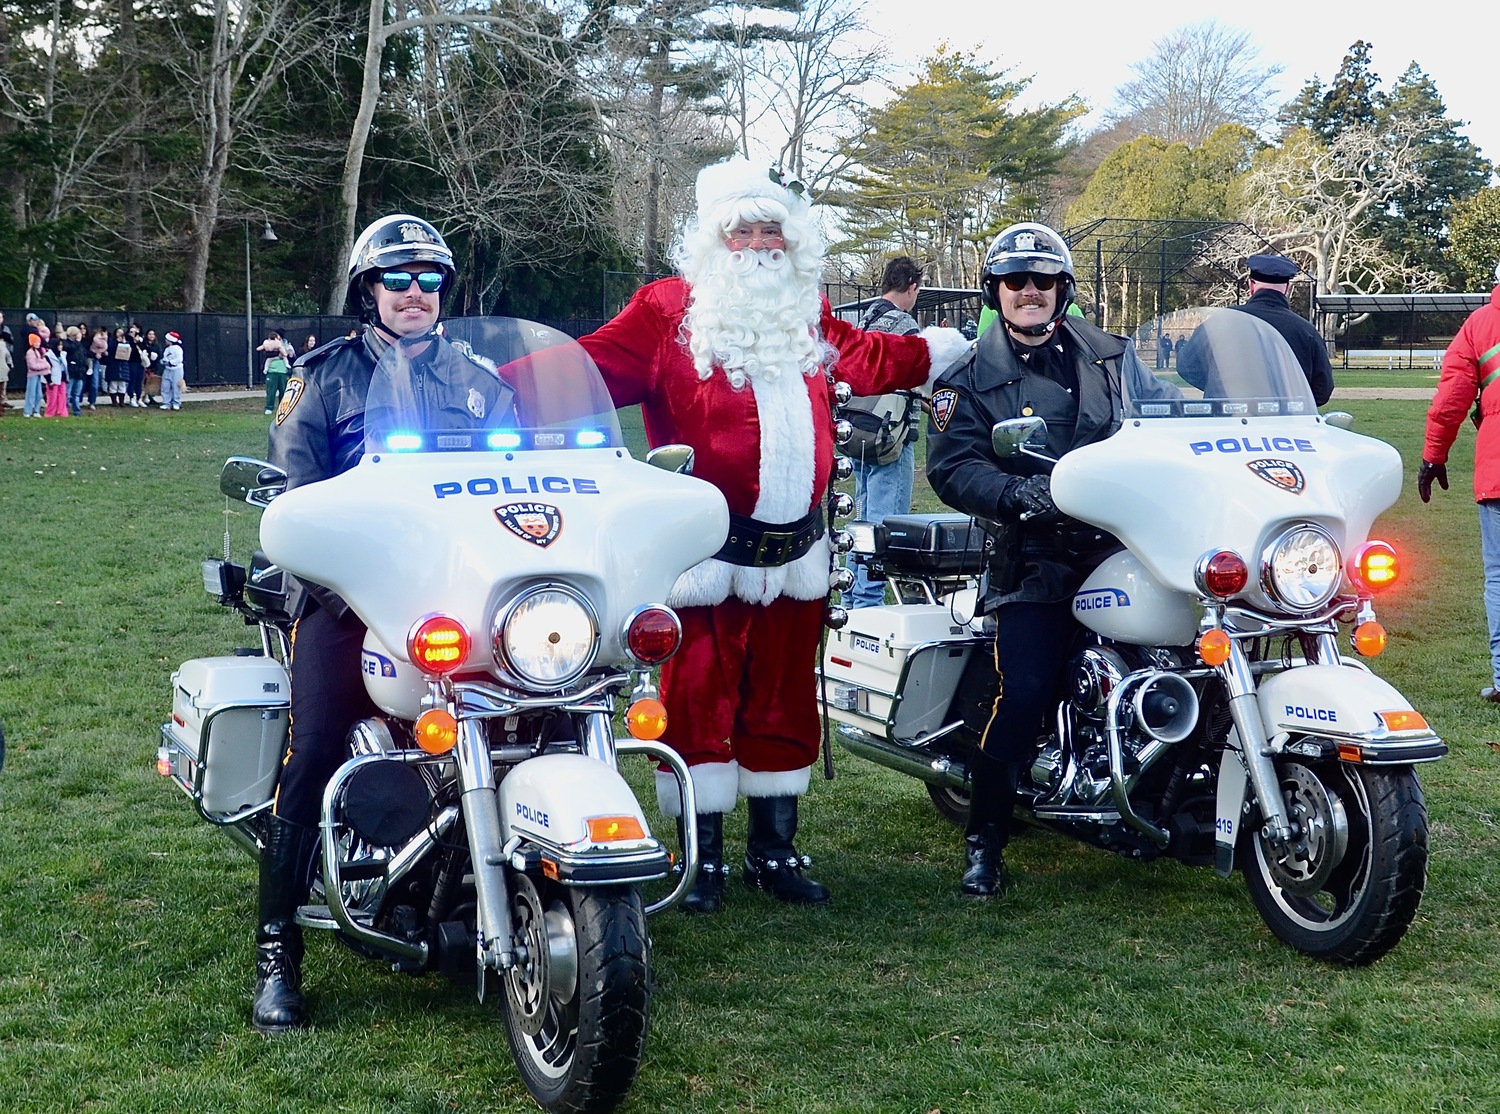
column 646, row 718
column 612, row 829
column 1406, row 719
column 1213, row 647
column 1369, row 638
column 436, row 731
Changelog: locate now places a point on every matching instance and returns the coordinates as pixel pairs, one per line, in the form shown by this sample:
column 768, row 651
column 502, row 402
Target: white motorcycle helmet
column 1028, row 247
column 394, row 241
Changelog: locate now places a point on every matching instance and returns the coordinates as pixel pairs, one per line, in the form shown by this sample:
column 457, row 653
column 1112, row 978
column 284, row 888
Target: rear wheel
column 577, row 1002
column 952, row 804
column 1348, row 885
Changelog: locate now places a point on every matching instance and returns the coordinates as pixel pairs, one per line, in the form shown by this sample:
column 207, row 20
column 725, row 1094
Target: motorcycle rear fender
column 546, row 804
column 1349, row 710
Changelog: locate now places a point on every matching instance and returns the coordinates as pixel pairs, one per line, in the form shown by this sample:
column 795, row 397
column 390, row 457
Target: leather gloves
column 1426, row 474
column 1028, row 497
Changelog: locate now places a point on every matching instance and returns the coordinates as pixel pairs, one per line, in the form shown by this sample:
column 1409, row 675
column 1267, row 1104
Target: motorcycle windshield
column 488, row 384
column 1231, row 364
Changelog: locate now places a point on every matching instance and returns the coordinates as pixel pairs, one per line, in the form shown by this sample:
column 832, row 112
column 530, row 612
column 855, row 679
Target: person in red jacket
column 736, row 359
column 1471, row 367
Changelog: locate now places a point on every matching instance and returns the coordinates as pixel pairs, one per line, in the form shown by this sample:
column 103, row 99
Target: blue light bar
column 403, row 442
column 503, row 440
column 591, row 438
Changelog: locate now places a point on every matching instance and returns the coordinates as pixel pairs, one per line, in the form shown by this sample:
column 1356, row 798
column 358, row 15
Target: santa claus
column 736, row 358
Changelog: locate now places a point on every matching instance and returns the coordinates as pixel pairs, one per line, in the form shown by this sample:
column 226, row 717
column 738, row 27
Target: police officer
column 1049, row 364
column 1270, row 278
column 398, row 272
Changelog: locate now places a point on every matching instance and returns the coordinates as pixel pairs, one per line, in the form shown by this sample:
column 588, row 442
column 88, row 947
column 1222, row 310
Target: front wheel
column 576, row 1003
column 1348, row 885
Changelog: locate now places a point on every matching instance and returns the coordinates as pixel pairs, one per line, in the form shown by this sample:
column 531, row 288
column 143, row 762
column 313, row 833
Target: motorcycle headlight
column 547, row 636
column 1301, row 570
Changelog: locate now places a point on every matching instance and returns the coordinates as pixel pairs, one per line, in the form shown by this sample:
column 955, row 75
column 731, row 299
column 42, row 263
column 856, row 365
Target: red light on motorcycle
column 646, row 718
column 1222, row 574
column 653, row 635
column 612, row 829
column 436, row 731
column 1213, row 647
column 1374, row 566
column 438, row 645
column 1404, row 720
column 1369, row 639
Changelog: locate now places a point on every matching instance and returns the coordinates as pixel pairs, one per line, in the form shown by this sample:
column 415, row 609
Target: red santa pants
column 742, row 688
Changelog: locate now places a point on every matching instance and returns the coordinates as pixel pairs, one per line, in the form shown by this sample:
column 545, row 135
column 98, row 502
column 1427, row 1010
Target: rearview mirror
column 1339, row 419
column 1021, row 437
column 672, row 458
column 251, row 481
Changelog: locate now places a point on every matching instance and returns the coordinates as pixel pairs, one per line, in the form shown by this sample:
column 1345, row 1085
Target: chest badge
column 537, row 523
column 1282, row 473
column 476, row 403
column 943, row 404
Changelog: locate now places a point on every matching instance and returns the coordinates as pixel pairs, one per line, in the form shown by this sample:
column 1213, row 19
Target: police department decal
column 1283, row 473
column 943, row 403
column 289, row 398
column 538, row 523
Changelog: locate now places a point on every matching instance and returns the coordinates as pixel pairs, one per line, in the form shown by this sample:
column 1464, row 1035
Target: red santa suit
column 740, row 693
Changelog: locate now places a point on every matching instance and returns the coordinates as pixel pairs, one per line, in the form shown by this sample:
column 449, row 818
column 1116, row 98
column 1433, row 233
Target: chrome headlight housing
column 1302, row 569
column 547, row 636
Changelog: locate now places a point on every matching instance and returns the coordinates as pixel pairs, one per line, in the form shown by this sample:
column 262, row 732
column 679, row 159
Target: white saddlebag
column 228, row 730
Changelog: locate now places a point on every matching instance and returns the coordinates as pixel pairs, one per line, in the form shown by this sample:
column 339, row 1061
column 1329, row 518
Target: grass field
column 1098, row 985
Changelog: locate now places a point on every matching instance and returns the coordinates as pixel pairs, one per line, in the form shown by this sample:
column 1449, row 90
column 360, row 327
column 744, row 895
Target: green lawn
column 1098, row 985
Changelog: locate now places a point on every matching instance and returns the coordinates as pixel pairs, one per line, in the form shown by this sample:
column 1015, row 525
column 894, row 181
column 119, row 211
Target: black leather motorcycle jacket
column 1043, row 560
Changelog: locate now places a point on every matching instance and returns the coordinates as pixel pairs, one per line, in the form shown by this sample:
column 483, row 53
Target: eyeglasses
column 766, row 241
column 1018, row 282
column 429, row 282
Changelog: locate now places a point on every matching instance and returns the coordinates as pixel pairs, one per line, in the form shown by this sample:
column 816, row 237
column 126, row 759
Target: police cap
column 1272, row 268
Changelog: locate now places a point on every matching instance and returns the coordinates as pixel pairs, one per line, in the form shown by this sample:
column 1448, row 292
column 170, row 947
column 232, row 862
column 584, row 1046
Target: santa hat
column 740, row 180
column 173, row 338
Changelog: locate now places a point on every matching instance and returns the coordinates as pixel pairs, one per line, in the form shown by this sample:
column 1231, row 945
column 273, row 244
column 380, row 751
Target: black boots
column 284, row 873
column 771, row 861
column 707, row 893
column 992, row 799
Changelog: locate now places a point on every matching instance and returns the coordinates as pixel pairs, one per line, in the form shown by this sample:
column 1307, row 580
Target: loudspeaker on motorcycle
column 1166, row 707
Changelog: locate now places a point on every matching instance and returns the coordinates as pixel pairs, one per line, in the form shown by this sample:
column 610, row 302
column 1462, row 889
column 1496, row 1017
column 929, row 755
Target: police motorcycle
column 512, row 578
column 1210, row 711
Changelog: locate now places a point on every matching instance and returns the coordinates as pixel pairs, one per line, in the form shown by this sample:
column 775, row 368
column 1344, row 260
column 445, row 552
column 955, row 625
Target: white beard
column 752, row 315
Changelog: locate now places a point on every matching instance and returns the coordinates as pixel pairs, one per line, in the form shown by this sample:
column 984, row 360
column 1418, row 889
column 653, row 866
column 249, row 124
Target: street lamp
column 267, row 236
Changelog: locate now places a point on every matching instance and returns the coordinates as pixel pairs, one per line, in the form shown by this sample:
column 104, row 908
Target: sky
column 1086, row 46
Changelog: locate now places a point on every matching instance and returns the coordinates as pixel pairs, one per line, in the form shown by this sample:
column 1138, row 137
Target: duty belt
column 760, row 545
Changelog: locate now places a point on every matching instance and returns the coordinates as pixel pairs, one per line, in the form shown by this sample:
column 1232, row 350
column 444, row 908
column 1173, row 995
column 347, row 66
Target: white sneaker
column 267, row 411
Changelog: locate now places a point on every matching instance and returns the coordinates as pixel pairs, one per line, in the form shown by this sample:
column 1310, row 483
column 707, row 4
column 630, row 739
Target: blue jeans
column 1489, row 544
column 75, row 395
column 880, row 490
column 36, row 395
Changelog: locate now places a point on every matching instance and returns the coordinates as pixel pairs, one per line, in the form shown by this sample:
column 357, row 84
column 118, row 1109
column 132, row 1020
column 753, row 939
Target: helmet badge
column 411, row 232
column 1026, row 241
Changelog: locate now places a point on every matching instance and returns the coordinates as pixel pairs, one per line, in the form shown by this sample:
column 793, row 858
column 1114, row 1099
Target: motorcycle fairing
column 1173, row 488
column 1343, row 704
column 1122, row 600
column 627, row 532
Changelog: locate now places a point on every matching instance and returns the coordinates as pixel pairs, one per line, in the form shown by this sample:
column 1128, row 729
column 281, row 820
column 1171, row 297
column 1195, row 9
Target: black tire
column 576, row 1022
column 1350, row 907
column 952, row 804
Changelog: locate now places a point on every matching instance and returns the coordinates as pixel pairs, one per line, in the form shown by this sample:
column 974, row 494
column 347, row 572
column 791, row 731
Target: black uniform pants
column 328, row 696
column 1032, row 643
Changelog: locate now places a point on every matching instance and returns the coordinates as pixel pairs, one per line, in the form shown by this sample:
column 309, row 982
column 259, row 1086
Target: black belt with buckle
column 760, row 545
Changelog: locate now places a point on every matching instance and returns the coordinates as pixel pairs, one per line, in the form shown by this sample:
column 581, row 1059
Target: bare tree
column 1197, row 78
column 1315, row 202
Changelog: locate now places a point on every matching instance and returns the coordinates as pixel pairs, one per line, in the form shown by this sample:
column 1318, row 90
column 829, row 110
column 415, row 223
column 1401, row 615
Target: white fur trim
column 945, row 347
column 775, row 783
column 715, row 788
column 736, row 179
column 703, row 585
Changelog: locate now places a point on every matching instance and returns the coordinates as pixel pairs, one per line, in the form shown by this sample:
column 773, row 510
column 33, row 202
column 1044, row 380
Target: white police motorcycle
column 512, row 578
column 1211, row 712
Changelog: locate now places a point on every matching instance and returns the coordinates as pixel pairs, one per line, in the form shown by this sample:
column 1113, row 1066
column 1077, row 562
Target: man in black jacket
column 1270, row 278
column 1045, row 364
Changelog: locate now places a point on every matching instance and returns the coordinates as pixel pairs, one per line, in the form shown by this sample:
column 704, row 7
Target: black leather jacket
column 1306, row 342
column 1041, row 561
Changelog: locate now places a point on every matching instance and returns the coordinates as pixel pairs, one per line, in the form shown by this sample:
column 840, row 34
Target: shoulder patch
column 943, row 404
column 289, row 398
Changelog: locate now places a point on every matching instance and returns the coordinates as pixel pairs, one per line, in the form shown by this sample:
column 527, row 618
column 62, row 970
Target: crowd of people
column 69, row 367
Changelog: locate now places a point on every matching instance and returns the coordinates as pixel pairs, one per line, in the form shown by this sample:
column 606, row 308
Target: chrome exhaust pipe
column 912, row 761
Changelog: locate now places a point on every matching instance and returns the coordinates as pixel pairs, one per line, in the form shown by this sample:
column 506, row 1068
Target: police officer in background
column 1061, row 368
column 1270, row 278
column 398, row 272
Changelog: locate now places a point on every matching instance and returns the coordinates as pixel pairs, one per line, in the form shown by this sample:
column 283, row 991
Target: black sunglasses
column 429, row 282
column 1018, row 281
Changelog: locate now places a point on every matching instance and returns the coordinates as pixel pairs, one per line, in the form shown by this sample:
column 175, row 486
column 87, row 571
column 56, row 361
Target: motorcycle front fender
column 1360, row 717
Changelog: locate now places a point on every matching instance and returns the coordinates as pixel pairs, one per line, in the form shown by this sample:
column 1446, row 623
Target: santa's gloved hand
column 945, row 347
column 1027, row 498
column 1426, row 474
